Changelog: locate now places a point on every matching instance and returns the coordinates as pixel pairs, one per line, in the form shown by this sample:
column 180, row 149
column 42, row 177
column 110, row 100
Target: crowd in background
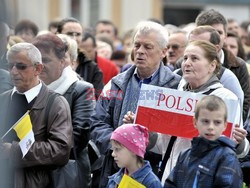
column 84, row 65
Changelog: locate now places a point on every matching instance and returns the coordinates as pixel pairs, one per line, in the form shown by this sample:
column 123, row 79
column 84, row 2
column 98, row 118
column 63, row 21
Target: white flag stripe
column 176, row 101
column 27, row 142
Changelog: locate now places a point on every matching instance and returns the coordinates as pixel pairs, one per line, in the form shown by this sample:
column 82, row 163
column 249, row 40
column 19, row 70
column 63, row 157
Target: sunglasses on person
column 174, row 46
column 19, row 66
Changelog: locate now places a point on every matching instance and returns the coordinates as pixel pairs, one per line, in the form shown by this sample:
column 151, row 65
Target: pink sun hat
column 134, row 137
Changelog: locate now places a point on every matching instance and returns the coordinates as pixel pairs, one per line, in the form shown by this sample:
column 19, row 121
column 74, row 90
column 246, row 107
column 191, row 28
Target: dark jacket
column 207, row 164
column 238, row 67
column 81, row 104
column 90, row 72
column 53, row 142
column 5, row 81
column 143, row 175
column 108, row 109
column 79, row 96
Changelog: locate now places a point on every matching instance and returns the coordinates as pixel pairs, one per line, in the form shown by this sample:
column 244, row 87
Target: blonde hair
column 72, row 46
column 209, row 51
column 211, row 103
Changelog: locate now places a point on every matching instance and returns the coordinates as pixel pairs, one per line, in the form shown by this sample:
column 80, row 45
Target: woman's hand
column 239, row 134
column 129, row 117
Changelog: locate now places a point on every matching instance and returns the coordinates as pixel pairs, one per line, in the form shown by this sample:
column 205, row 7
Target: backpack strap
column 166, row 156
column 209, row 91
column 222, row 69
column 51, row 99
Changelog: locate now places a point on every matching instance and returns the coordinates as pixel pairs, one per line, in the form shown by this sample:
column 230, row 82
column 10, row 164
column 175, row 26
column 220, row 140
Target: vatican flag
column 128, row 182
column 24, row 132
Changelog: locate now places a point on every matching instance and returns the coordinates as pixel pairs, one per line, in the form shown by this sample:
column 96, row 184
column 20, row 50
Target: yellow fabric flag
column 128, row 182
column 23, row 127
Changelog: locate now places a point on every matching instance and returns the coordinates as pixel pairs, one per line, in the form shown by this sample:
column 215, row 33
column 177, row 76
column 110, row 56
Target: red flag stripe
column 170, row 123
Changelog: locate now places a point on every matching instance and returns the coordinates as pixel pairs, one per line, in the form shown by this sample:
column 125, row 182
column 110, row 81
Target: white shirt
column 31, row 93
column 222, row 56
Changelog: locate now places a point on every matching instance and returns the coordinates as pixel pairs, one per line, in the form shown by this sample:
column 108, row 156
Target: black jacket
column 81, row 104
column 238, row 67
column 80, row 98
column 90, row 72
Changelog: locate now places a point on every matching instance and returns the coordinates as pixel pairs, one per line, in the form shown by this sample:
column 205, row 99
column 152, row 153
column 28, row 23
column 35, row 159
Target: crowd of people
column 81, row 87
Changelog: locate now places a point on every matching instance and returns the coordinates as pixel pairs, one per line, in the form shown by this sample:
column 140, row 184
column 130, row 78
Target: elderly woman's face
column 196, row 68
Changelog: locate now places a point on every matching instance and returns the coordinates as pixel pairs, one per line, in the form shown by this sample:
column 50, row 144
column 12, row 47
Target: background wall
column 124, row 13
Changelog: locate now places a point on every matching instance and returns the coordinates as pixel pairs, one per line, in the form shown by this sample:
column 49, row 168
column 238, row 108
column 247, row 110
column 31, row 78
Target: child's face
column 122, row 156
column 210, row 124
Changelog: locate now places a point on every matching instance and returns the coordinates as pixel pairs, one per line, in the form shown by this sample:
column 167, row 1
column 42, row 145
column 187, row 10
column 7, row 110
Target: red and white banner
column 171, row 111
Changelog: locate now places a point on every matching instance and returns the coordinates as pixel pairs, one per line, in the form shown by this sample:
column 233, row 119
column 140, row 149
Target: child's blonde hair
column 211, row 103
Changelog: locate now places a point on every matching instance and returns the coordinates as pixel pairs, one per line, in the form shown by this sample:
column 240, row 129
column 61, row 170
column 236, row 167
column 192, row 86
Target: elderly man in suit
column 52, row 131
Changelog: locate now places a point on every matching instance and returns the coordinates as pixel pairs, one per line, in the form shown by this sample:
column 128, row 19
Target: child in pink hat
column 129, row 143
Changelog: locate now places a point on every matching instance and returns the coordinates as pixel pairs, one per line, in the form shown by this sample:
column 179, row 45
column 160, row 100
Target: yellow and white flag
column 23, row 130
column 128, row 182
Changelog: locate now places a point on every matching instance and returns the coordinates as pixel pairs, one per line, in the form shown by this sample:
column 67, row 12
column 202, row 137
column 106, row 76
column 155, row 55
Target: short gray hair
column 33, row 53
column 146, row 27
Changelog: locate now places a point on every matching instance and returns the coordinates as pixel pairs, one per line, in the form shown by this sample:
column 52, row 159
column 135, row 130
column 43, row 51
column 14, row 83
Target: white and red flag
column 171, row 111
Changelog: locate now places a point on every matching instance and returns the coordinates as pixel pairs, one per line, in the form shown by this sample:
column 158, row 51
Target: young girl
column 129, row 143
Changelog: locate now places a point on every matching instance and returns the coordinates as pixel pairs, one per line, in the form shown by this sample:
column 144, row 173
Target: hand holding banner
column 171, row 111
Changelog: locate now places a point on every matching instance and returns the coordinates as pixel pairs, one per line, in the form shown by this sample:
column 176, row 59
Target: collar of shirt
column 222, row 56
column 145, row 80
column 171, row 66
column 30, row 94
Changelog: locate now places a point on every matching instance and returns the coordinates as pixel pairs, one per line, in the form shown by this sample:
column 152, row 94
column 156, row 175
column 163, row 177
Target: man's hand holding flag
column 23, row 130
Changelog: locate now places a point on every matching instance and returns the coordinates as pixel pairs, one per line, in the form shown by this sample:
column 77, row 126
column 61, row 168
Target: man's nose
column 141, row 49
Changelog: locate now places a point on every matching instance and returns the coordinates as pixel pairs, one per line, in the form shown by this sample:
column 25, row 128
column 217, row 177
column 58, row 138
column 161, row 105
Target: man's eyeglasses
column 19, row 66
column 174, row 46
column 73, row 34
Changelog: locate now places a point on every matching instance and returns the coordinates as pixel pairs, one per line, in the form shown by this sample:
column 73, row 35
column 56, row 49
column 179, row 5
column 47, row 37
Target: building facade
column 124, row 13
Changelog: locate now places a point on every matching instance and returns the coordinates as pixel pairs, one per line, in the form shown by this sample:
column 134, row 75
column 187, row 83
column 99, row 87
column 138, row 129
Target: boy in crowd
column 211, row 161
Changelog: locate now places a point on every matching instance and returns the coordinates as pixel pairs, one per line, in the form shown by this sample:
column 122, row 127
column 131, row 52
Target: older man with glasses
column 175, row 48
column 51, row 125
